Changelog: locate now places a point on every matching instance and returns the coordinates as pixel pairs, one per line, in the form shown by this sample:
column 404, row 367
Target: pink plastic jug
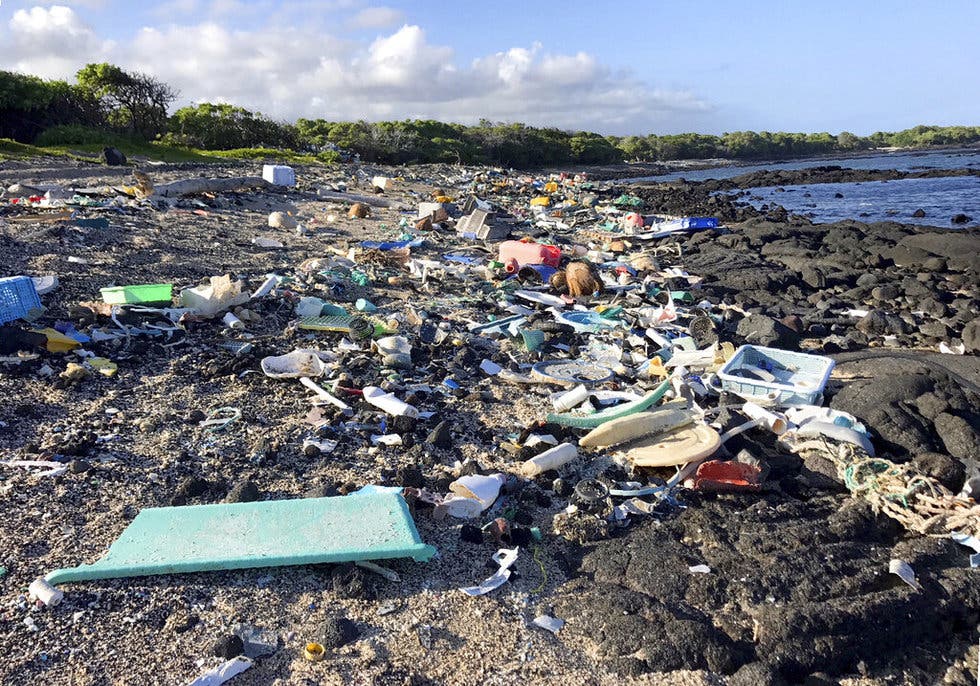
column 515, row 254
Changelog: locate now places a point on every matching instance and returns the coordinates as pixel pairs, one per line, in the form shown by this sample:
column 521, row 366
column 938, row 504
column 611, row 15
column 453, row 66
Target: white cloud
column 289, row 72
column 50, row 42
column 88, row 4
column 376, row 18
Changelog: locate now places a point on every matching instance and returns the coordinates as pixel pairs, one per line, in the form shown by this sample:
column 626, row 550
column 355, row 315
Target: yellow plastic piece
column 103, row 366
column 57, row 341
column 541, row 201
column 551, row 187
column 657, row 368
column 443, row 198
column 314, row 652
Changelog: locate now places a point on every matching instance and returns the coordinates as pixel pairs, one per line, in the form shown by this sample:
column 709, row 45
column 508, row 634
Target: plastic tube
column 741, row 428
column 553, row 458
column 266, row 286
column 233, row 322
column 774, row 421
column 45, row 592
column 388, row 402
column 598, row 418
column 573, row 398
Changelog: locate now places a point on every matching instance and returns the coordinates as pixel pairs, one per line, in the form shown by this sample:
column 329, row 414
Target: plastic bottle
column 553, row 458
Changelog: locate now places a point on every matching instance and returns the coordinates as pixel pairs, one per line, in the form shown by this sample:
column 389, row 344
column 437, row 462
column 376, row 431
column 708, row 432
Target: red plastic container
column 515, row 254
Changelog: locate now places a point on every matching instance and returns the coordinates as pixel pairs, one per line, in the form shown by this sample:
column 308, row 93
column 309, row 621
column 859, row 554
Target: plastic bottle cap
column 314, row 652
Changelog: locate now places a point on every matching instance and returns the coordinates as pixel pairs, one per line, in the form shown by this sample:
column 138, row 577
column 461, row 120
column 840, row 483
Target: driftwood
column 194, row 186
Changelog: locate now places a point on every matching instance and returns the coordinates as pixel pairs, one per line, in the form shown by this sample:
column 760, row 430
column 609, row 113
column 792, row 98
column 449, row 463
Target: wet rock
column 758, row 329
column 931, row 405
column 338, row 631
column 960, row 439
column 886, row 292
column 243, row 492
column 350, row 581
column 79, row 466
column 190, row 487
column 885, row 404
column 947, row 470
column 960, row 219
column 228, row 647
column 935, row 329
column 471, row 534
column 410, row 476
column 441, row 436
column 971, row 336
column 756, row 674
column 113, row 157
column 919, row 213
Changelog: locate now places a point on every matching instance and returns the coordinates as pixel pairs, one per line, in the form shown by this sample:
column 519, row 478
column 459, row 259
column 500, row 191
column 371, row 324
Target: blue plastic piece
column 371, row 524
column 799, row 379
column 17, row 298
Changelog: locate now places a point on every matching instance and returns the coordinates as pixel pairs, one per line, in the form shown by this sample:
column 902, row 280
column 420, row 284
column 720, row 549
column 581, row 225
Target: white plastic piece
column 699, row 569
column 485, row 489
column 279, row 174
column 389, row 403
column 323, row 394
column 459, row 507
column 270, row 282
column 573, row 398
column 548, row 623
column 309, row 307
column 505, row 558
column 903, row 570
column 552, row 458
column 223, row 672
column 774, row 421
column 45, row 592
column 233, row 322
column 296, row 364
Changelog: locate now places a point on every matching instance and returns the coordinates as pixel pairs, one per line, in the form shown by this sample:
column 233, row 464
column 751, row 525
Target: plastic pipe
column 233, row 322
column 389, row 403
column 511, row 266
column 774, row 421
column 594, row 420
column 573, row 398
column 323, row 394
column 553, row 458
column 45, row 592
column 741, row 428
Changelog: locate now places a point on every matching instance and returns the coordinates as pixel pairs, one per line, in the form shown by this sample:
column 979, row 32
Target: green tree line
column 106, row 99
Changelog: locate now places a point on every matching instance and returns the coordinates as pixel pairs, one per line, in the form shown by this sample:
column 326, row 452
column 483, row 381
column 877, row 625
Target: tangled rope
column 918, row 502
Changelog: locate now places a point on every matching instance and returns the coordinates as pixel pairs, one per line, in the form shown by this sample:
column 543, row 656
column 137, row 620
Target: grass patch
column 10, row 149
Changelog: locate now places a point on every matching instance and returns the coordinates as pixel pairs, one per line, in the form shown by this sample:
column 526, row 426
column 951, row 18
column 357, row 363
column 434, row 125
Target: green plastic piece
column 371, row 524
column 593, row 420
column 133, row 295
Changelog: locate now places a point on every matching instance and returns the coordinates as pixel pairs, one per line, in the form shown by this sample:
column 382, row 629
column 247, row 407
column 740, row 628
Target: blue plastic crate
column 17, row 298
column 776, row 377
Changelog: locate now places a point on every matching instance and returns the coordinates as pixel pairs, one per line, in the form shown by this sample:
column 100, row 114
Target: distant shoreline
column 627, row 170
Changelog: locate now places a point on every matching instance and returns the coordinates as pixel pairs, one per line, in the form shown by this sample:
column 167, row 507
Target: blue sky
column 634, row 67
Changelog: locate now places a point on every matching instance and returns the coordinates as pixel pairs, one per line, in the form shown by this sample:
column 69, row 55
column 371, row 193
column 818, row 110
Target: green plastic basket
column 132, row 295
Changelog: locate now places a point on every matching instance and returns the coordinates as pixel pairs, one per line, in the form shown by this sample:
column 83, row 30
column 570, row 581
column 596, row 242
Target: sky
column 624, row 67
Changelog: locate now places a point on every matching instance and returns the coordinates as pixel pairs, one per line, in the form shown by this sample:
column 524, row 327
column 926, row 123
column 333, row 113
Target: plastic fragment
column 903, row 570
column 505, row 558
column 223, row 672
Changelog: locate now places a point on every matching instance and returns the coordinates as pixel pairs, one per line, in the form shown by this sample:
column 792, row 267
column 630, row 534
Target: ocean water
column 902, row 161
column 872, row 201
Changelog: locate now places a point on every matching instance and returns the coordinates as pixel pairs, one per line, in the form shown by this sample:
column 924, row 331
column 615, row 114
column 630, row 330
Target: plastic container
column 279, row 175
column 132, row 295
column 515, row 254
column 771, row 376
column 17, row 298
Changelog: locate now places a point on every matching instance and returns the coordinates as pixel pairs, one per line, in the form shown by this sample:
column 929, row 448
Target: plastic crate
column 776, row 377
column 133, row 295
column 17, row 297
